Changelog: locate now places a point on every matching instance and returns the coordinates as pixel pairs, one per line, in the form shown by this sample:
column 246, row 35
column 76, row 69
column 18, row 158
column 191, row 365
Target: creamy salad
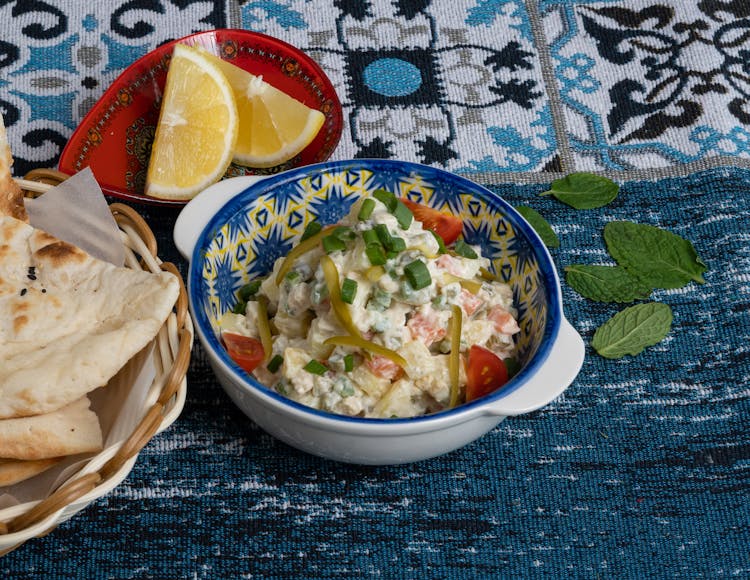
column 376, row 317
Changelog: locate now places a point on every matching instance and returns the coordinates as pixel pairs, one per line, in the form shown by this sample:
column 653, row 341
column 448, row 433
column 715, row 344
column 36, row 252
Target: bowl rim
column 467, row 410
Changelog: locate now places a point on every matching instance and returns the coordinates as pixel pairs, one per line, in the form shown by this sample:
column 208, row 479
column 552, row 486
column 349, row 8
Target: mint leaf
column 632, row 330
column 540, row 225
column 658, row 258
column 605, row 283
column 584, row 190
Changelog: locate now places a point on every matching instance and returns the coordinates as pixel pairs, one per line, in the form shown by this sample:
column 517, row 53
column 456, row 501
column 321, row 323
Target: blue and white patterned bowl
column 235, row 230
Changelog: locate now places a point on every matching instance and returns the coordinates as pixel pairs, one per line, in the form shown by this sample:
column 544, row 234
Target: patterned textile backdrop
column 641, row 469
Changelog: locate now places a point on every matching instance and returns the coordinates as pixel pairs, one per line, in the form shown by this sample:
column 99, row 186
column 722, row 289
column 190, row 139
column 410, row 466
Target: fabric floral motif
column 646, row 83
column 460, row 93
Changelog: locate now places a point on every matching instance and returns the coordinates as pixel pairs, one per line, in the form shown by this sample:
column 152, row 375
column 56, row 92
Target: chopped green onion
column 349, row 363
column 292, row 276
column 340, row 309
column 370, row 237
column 417, row 274
column 376, row 255
column 316, row 367
column 348, row 290
column 249, row 289
column 403, row 215
column 366, row 210
column 397, row 244
column 275, row 363
column 331, row 243
column 464, row 250
column 344, row 233
column 383, row 235
column 311, row 229
column 454, row 358
column 386, row 198
column 240, row 307
column 441, row 244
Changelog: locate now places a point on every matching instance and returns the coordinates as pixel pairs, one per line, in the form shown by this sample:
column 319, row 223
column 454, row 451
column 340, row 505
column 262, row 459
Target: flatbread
column 68, row 322
column 13, row 471
column 68, row 431
column 11, row 196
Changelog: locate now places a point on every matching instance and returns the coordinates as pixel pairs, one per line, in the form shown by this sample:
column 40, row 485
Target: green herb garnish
column 349, row 363
column 397, row 244
column 605, row 283
column 386, row 198
column 441, row 244
column 348, row 290
column 403, row 215
column 464, row 250
column 417, row 274
column 365, row 211
column 249, row 289
column 376, row 254
column 632, row 330
column 584, row 190
column 310, row 230
column 384, row 236
column 275, row 363
column 332, row 243
column 658, row 258
column 316, row 367
column 541, row 226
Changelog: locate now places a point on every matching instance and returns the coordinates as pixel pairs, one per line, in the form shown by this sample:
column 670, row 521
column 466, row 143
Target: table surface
column 641, row 468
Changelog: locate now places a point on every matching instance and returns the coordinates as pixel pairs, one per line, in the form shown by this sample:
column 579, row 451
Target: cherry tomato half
column 485, row 373
column 244, row 350
column 445, row 225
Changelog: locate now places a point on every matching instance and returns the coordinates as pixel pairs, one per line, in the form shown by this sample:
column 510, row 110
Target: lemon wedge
column 274, row 126
column 197, row 128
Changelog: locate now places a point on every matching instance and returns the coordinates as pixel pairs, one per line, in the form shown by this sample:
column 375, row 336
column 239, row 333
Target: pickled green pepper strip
column 367, row 346
column 301, row 248
column 340, row 309
column 454, row 358
column 264, row 329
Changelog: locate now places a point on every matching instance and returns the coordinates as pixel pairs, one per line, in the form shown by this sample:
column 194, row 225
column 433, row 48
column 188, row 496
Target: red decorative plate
column 114, row 139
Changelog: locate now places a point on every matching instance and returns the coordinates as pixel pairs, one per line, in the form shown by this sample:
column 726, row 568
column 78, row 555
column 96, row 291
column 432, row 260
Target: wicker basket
column 171, row 356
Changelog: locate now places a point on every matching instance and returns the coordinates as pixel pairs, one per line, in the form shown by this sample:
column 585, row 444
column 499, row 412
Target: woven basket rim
column 172, row 347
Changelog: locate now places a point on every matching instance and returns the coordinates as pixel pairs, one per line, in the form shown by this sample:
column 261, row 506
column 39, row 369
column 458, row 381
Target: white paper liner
column 77, row 212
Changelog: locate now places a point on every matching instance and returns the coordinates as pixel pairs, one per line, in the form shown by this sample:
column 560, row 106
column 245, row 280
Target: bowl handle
column 199, row 210
column 554, row 376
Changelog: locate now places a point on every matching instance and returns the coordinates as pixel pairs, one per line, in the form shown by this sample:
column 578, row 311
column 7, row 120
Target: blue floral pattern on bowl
column 262, row 223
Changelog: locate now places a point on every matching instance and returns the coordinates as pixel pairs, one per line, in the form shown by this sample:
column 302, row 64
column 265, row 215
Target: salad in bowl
column 389, row 313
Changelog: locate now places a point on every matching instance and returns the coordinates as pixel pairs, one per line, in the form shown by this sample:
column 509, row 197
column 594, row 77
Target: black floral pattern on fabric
column 655, row 39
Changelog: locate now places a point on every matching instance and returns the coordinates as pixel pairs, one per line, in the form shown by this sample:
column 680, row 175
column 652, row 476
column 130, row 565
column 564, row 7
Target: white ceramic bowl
column 236, row 229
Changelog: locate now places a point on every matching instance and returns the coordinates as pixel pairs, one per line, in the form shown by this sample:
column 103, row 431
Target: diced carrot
column 469, row 302
column 425, row 326
column 503, row 320
column 384, row 367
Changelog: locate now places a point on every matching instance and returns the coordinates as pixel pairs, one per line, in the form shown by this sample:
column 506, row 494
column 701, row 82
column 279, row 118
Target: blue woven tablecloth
column 641, row 469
